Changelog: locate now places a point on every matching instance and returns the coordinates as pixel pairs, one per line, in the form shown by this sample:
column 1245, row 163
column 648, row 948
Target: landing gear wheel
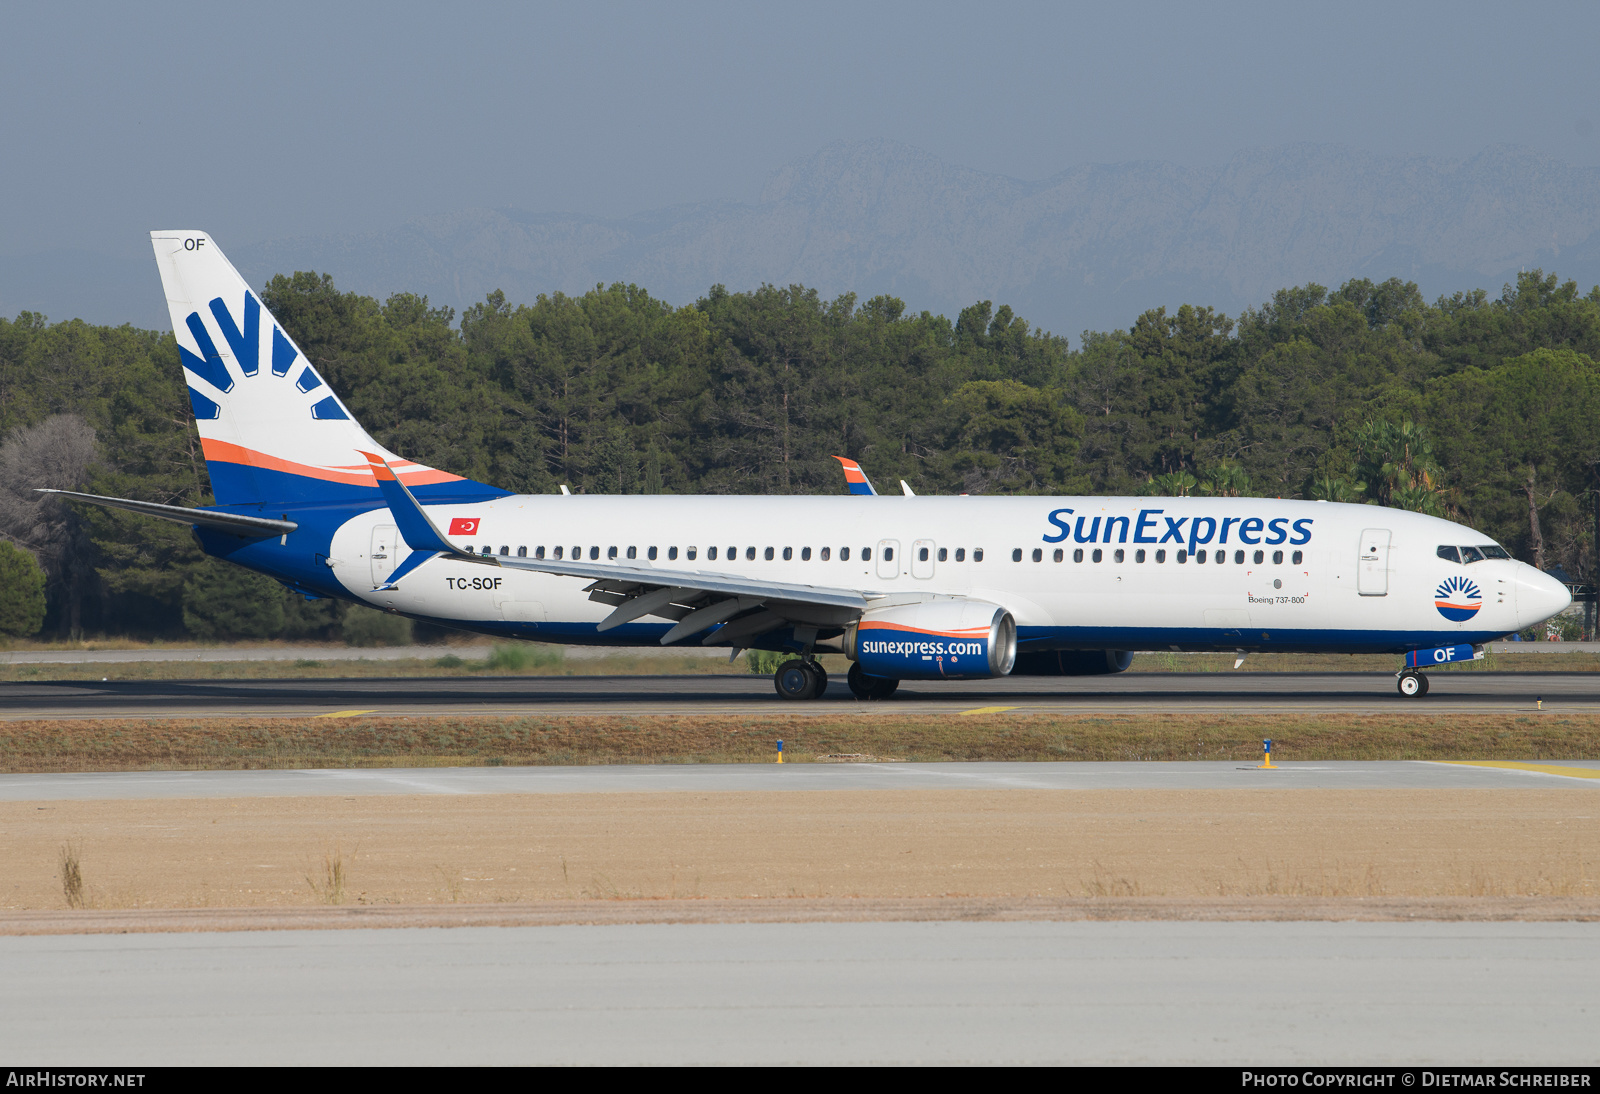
column 867, row 687
column 822, row 679
column 1413, row 685
column 795, row 680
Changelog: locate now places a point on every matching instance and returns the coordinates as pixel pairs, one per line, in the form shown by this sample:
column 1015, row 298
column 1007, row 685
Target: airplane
column 907, row 588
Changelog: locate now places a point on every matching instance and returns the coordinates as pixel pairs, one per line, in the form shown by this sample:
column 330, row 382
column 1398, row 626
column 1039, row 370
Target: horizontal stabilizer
column 239, row 525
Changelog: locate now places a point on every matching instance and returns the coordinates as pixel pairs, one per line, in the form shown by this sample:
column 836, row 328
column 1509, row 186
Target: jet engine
column 935, row 640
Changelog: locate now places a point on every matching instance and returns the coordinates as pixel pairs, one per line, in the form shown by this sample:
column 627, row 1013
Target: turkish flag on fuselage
column 464, row 526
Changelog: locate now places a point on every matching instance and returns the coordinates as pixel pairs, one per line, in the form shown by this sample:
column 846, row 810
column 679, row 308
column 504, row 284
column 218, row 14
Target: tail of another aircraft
column 272, row 430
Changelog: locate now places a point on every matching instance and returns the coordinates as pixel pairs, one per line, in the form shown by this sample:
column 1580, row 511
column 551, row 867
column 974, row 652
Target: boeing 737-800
column 905, row 587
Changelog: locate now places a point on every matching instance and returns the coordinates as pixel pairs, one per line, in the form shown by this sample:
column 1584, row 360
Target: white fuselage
column 1292, row 575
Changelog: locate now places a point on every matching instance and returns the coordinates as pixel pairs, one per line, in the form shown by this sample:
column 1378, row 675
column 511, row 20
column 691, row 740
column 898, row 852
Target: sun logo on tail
column 1457, row 599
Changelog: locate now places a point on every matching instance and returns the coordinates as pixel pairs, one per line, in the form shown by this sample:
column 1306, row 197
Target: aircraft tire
column 795, row 680
column 870, row 688
column 821, row 675
column 1412, row 685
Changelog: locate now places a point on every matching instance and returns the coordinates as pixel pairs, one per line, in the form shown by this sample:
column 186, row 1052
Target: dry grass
column 329, row 882
column 380, row 741
column 72, row 874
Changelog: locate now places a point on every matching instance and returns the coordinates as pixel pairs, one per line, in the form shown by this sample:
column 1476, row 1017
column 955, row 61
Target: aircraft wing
column 744, row 608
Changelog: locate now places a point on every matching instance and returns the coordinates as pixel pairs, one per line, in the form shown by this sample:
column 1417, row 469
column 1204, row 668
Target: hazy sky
column 272, row 120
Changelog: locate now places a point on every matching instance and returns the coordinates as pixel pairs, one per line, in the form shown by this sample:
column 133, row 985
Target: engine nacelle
column 934, row 640
column 1072, row 662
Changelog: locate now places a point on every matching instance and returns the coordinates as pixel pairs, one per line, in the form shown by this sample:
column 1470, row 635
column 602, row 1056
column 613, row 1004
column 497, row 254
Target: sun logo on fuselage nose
column 1457, row 599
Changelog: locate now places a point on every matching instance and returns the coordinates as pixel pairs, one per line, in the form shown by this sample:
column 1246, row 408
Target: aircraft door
column 385, row 553
column 888, row 559
column 922, row 553
column 1372, row 578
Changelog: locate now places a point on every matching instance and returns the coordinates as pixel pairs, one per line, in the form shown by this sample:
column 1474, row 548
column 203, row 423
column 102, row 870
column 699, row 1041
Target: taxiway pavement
column 703, row 695
column 746, row 778
column 823, row 993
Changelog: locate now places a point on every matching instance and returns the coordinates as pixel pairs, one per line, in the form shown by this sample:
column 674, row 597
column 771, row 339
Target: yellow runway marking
column 987, row 710
column 1545, row 769
column 346, row 713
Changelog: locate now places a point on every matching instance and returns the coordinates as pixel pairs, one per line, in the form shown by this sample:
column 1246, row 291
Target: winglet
column 855, row 477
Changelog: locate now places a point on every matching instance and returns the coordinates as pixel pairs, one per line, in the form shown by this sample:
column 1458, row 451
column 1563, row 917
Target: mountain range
column 1089, row 248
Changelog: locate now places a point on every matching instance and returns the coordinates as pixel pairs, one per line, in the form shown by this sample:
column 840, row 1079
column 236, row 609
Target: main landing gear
column 867, row 687
column 1413, row 685
column 799, row 679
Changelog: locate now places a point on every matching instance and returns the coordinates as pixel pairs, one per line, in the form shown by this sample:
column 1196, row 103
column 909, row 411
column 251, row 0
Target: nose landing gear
column 1412, row 685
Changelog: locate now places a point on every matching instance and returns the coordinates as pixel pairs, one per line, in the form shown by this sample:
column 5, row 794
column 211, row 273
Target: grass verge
column 377, row 741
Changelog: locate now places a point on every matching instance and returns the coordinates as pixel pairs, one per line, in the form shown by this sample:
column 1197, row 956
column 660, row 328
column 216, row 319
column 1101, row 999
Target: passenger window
column 633, row 552
column 1077, row 554
column 888, row 554
column 977, row 554
column 690, row 553
column 651, row 554
column 866, row 554
column 1238, row 558
column 594, row 553
column 711, row 554
column 1183, row 556
column 826, row 551
column 1260, row 557
column 611, row 554
column 577, row 553
column 1491, row 551
column 1098, row 554
column 788, row 553
column 1059, row 555
column 1199, row 556
column 1138, row 556
column 1297, row 557
column 538, row 552
column 1277, row 558
column 1471, row 554
column 1448, row 553
column 558, row 551
column 767, row 556
column 805, row 554
column 733, row 554
column 522, row 552
column 487, row 549
column 1038, row 554
column 961, row 554
column 922, row 554
column 1016, row 554
column 672, row 554
column 943, row 554
column 1119, row 555
column 1161, row 555
column 750, row 553
column 844, row 554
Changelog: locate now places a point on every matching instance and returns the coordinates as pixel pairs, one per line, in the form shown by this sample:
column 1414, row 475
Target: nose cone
column 1539, row 596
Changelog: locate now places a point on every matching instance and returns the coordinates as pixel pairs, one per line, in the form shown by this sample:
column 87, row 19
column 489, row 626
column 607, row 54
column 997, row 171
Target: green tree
column 21, row 592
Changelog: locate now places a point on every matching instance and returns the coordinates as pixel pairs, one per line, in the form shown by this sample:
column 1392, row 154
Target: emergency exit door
column 1372, row 574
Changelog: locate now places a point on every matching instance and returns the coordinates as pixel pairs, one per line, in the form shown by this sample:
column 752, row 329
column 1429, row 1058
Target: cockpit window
column 1471, row 554
column 1491, row 551
column 1450, row 553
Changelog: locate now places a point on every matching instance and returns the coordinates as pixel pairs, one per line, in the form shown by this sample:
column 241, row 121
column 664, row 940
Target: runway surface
column 700, row 778
column 700, row 695
column 1075, row 992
